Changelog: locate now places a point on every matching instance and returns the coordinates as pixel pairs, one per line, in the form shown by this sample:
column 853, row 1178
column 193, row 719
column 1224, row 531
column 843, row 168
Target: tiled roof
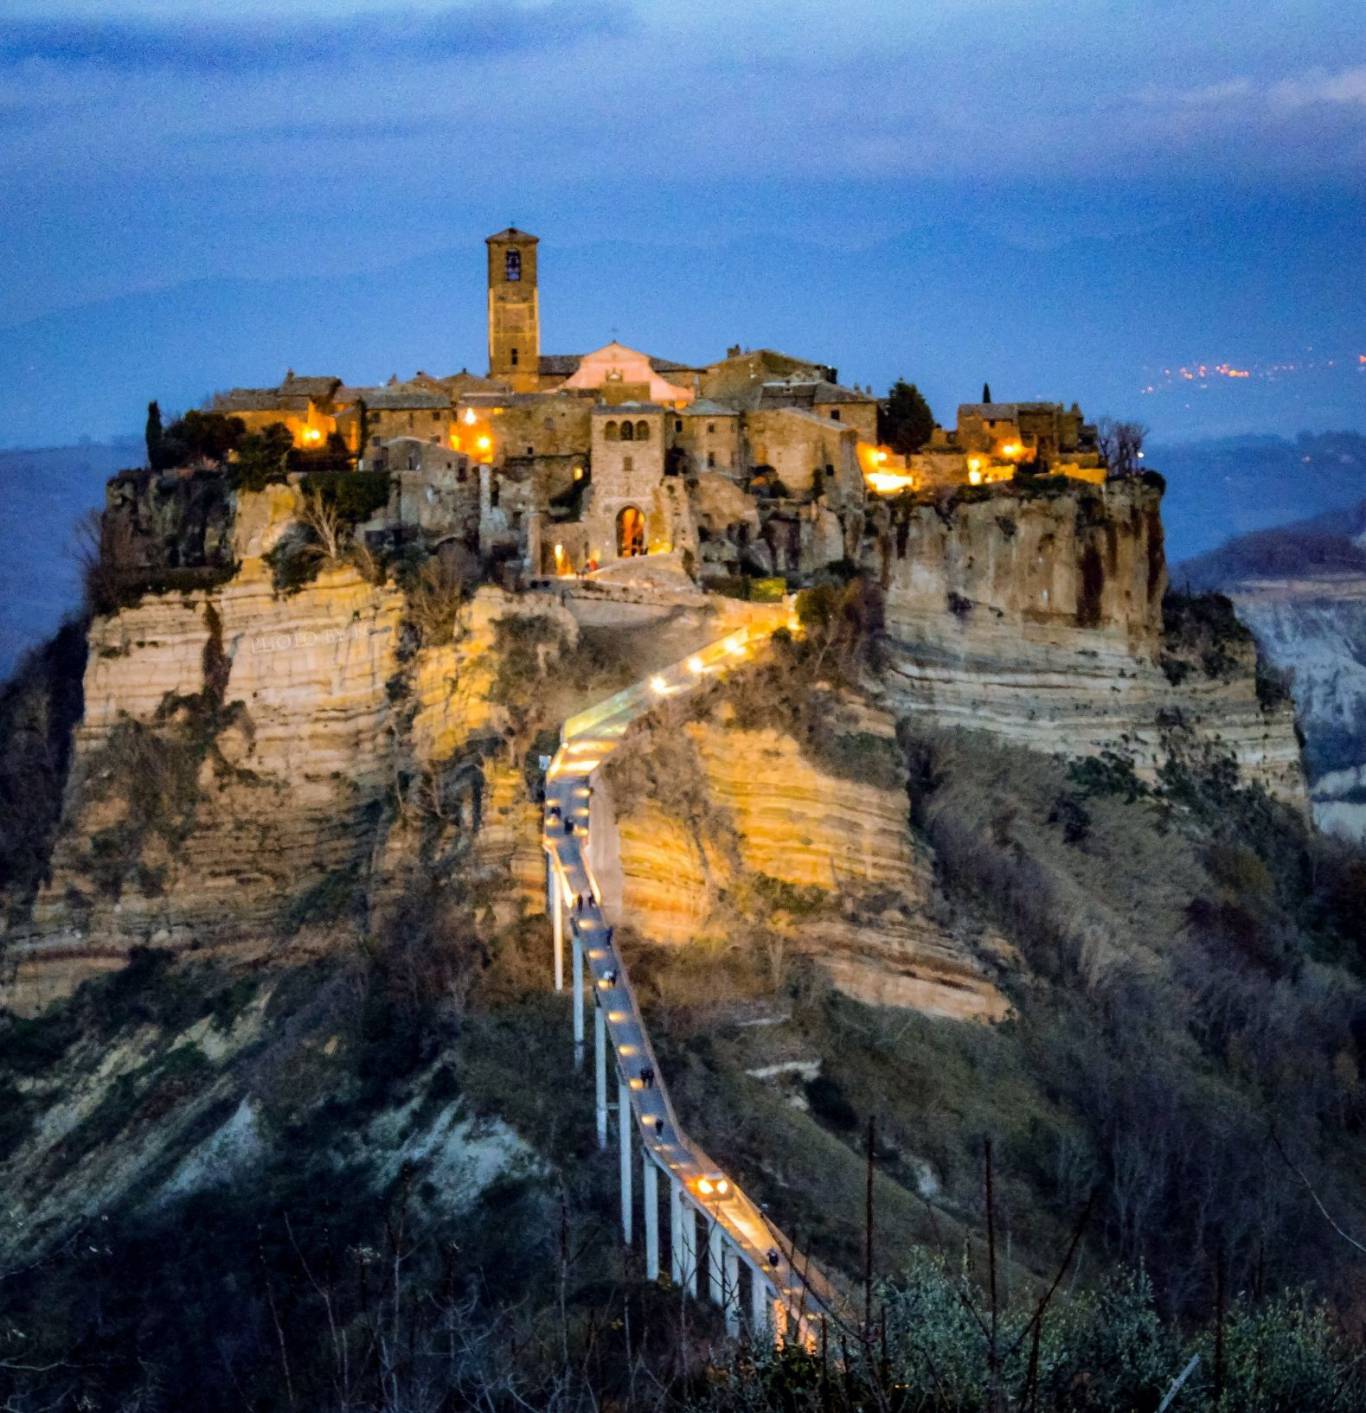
column 1004, row 411
column 804, row 393
column 259, row 400
column 319, row 389
column 398, row 398
column 511, row 233
column 559, row 364
column 705, row 407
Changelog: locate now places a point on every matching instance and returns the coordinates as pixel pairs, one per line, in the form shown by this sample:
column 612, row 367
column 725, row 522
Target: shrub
column 354, row 495
column 261, row 458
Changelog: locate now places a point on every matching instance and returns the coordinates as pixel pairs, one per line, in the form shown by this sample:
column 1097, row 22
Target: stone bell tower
column 514, row 313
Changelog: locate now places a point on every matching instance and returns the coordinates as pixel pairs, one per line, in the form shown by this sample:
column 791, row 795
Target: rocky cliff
column 1036, row 613
column 717, row 832
column 1302, row 591
column 252, row 761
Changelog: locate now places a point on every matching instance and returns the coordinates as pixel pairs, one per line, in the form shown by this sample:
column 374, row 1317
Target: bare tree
column 1120, row 444
column 322, row 519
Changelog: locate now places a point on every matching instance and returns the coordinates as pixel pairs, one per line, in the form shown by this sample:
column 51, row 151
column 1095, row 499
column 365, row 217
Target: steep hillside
column 1001, row 849
column 1302, row 591
column 1038, row 614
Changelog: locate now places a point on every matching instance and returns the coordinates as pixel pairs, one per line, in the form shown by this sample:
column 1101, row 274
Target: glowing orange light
column 578, row 473
column 469, row 417
column 1011, row 449
column 975, row 475
column 484, row 443
column 887, row 483
column 312, row 434
column 704, row 1186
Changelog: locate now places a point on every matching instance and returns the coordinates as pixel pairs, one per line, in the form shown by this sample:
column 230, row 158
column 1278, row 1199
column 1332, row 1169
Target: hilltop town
column 445, row 777
column 758, row 464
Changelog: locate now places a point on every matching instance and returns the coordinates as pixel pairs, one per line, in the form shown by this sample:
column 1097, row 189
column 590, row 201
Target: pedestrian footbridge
column 718, row 1238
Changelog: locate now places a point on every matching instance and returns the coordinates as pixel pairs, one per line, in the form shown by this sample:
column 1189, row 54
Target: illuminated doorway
column 630, row 532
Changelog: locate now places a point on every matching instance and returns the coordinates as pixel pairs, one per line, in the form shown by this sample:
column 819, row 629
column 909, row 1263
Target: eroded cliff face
column 708, row 831
column 251, row 763
column 1036, row 614
column 1314, row 629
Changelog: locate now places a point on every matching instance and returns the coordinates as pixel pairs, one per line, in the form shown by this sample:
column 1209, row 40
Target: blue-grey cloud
column 212, row 45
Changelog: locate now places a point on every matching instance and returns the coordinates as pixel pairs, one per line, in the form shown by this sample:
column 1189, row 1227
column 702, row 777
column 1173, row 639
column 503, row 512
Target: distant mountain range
column 1217, row 489
column 1093, row 319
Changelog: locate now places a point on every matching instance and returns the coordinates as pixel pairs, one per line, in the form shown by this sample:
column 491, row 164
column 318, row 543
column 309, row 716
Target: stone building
column 309, row 407
column 994, row 440
column 514, row 310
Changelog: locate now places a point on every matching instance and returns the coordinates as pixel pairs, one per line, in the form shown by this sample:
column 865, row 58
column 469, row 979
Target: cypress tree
column 154, row 435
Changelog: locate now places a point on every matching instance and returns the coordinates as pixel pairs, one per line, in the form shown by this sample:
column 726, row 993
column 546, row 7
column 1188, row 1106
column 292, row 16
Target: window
column 678, row 424
column 628, row 432
column 642, row 431
column 834, row 411
column 609, row 432
column 436, row 416
column 512, row 267
column 627, row 464
column 711, row 458
column 711, row 426
column 531, row 451
column 512, row 355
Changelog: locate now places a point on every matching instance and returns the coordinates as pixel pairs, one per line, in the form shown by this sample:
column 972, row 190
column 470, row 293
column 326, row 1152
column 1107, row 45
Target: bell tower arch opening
column 630, row 532
column 514, row 309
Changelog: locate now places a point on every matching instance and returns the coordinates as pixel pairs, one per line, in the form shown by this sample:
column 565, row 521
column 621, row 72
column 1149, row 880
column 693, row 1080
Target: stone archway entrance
column 630, row 532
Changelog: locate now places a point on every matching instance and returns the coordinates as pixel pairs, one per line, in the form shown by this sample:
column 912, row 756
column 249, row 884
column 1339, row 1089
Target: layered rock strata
column 705, row 830
column 250, row 762
column 1036, row 615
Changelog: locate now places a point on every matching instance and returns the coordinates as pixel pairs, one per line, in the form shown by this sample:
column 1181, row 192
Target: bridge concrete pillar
column 730, row 1289
column 715, row 1280
column 760, row 1306
column 682, row 1240
column 677, row 1270
column 650, row 1196
column 578, row 1003
column 624, row 1144
column 557, row 923
column 600, row 1072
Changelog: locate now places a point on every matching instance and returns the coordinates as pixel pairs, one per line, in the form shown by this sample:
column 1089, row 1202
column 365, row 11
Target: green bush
column 354, row 495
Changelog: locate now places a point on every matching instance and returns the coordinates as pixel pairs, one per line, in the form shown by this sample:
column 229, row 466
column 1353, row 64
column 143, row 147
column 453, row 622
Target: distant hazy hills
column 43, row 495
column 1222, row 488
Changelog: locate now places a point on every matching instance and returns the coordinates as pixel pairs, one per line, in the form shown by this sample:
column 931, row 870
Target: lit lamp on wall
column 975, row 470
column 312, row 436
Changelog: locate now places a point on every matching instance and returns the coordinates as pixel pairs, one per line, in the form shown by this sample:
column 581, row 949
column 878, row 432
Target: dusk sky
column 1075, row 200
